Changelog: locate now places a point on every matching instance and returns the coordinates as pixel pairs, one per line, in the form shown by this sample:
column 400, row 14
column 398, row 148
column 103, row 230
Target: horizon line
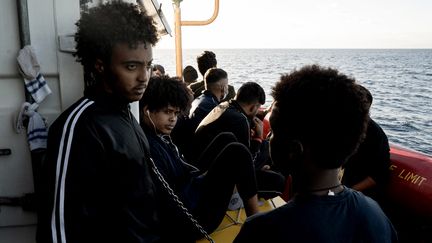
column 304, row 48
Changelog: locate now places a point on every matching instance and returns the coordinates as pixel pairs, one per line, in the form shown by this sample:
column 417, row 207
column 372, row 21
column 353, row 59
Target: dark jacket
column 230, row 117
column 171, row 164
column 205, row 194
column 227, row 117
column 371, row 159
column 98, row 183
column 201, row 106
column 348, row 216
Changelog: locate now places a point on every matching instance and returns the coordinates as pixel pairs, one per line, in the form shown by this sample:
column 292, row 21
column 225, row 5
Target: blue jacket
column 202, row 106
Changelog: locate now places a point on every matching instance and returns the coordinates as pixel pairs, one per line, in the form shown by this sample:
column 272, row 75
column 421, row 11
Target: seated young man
column 205, row 61
column 238, row 116
column 318, row 119
column 205, row 194
column 216, row 81
column 216, row 88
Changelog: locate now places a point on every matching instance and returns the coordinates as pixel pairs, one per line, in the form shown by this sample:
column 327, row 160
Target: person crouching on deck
column 205, row 194
column 318, row 119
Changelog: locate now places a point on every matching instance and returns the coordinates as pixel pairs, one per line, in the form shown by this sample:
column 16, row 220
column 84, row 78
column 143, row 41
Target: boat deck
column 233, row 220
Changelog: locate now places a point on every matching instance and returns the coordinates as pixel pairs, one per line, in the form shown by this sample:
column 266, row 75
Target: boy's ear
column 99, row 66
column 143, row 113
column 146, row 111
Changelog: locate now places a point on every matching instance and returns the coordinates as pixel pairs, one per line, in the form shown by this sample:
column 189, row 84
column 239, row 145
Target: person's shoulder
column 76, row 118
column 232, row 115
column 208, row 99
column 79, row 106
column 196, row 84
column 375, row 139
column 365, row 206
column 271, row 226
column 376, row 225
column 203, row 98
column 74, row 111
column 376, row 129
column 357, row 196
column 277, row 216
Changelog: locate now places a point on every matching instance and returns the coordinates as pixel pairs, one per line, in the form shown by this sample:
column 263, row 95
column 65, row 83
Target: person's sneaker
column 235, row 202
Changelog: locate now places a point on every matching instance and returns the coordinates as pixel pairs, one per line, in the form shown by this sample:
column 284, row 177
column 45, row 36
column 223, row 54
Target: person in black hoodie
column 206, row 193
column 98, row 181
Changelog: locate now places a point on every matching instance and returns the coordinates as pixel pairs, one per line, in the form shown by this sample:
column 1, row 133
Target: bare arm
column 367, row 183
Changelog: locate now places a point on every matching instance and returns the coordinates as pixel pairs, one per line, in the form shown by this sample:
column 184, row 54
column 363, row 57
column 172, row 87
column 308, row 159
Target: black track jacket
column 98, row 185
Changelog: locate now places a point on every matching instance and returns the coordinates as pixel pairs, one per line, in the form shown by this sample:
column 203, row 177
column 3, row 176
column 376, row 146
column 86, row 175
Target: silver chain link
column 179, row 203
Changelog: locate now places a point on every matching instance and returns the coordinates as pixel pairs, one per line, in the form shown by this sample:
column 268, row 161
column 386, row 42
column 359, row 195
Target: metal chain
column 179, row 203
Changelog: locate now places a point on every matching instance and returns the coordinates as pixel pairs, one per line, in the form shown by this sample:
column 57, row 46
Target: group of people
column 110, row 178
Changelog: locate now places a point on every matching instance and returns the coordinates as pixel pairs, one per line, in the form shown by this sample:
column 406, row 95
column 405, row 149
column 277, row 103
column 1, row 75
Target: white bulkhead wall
column 48, row 20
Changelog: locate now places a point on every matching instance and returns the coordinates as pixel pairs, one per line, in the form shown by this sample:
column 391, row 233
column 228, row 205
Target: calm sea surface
column 399, row 80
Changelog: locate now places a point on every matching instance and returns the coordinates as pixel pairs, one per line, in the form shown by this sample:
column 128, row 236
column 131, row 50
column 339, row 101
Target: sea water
column 400, row 81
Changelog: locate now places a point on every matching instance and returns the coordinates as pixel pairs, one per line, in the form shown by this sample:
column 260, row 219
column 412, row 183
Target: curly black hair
column 163, row 91
column 324, row 109
column 102, row 27
column 205, row 61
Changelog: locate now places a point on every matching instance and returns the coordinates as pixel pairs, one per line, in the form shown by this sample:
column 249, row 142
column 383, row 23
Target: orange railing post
column 178, row 23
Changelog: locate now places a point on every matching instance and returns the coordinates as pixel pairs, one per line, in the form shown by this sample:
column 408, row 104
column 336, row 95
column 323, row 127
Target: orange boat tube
column 410, row 185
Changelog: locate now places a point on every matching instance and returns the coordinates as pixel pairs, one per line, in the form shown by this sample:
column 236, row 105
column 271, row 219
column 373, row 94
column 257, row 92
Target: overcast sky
column 304, row 24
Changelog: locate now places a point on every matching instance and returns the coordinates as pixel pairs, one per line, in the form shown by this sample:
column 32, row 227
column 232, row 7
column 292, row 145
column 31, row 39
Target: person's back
column 370, row 163
column 223, row 118
column 236, row 116
column 98, row 178
column 346, row 217
column 318, row 119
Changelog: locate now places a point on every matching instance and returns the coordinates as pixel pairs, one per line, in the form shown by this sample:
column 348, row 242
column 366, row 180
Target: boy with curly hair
column 98, row 183
column 203, row 193
column 318, row 120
